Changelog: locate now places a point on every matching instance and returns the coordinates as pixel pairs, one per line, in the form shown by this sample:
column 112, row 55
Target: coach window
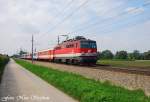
column 76, row 45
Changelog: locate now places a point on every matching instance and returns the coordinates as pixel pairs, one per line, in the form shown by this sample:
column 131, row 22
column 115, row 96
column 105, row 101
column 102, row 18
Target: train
column 78, row 50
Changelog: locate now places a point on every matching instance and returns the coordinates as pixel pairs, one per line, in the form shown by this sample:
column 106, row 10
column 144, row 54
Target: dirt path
column 20, row 85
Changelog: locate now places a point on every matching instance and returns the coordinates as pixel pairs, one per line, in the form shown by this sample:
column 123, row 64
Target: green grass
column 119, row 63
column 83, row 89
column 3, row 61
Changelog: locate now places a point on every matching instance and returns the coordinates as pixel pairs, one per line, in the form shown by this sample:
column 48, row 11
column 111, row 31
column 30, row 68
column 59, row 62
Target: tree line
column 124, row 55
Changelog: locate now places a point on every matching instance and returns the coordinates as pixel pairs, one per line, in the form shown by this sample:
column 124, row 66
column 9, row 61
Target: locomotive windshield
column 88, row 44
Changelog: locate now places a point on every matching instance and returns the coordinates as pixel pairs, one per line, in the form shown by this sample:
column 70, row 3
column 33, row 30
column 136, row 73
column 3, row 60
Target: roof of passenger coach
column 43, row 50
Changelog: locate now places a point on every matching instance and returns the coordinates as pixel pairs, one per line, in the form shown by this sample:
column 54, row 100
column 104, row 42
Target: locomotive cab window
column 88, row 44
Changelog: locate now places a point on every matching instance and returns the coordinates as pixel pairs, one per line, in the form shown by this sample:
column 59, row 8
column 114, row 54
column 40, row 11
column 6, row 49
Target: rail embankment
column 103, row 73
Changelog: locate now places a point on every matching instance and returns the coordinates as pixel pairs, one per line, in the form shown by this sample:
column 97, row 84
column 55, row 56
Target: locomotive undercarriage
column 88, row 60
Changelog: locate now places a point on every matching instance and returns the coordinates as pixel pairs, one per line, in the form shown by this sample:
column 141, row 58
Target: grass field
column 3, row 61
column 83, row 89
column 117, row 63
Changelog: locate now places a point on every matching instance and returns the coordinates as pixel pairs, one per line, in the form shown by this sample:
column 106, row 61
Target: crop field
column 119, row 63
column 83, row 89
column 3, row 61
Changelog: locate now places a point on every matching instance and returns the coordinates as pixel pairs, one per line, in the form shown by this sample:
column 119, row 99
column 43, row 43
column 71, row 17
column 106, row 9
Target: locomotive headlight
column 82, row 53
column 89, row 51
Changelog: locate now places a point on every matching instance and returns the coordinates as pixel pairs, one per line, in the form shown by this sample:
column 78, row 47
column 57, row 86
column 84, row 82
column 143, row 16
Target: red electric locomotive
column 75, row 51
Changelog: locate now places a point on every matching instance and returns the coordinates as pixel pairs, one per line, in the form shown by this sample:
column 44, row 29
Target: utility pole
column 32, row 47
column 58, row 39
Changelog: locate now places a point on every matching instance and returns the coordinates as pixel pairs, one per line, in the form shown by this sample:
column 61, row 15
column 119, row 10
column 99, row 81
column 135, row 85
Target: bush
column 121, row 55
column 147, row 55
column 3, row 61
column 107, row 54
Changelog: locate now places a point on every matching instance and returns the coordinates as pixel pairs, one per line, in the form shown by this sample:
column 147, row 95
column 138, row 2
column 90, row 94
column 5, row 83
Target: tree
column 22, row 52
column 147, row 55
column 136, row 55
column 130, row 56
column 121, row 55
column 107, row 54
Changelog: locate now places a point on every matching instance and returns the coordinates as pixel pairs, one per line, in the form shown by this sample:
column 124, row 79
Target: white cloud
column 134, row 10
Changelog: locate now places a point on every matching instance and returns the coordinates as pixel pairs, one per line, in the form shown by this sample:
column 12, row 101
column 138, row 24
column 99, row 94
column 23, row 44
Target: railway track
column 131, row 70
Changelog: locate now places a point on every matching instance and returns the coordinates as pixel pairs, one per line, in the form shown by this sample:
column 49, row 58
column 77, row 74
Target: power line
column 104, row 31
column 32, row 47
column 63, row 10
column 119, row 15
column 104, row 13
column 73, row 13
column 67, row 17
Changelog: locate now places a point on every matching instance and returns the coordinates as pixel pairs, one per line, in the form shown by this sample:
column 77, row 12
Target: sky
column 114, row 24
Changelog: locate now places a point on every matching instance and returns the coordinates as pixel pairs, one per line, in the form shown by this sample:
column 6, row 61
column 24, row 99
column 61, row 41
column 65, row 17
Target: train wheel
column 59, row 60
column 72, row 61
column 68, row 61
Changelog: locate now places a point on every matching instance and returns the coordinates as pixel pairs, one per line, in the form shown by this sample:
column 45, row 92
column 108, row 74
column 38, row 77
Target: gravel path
column 20, row 85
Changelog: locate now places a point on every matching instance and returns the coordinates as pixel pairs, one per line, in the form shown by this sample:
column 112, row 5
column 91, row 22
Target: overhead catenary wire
column 70, row 15
column 58, row 24
column 87, row 22
column 116, row 16
column 62, row 12
column 127, row 24
column 67, row 17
